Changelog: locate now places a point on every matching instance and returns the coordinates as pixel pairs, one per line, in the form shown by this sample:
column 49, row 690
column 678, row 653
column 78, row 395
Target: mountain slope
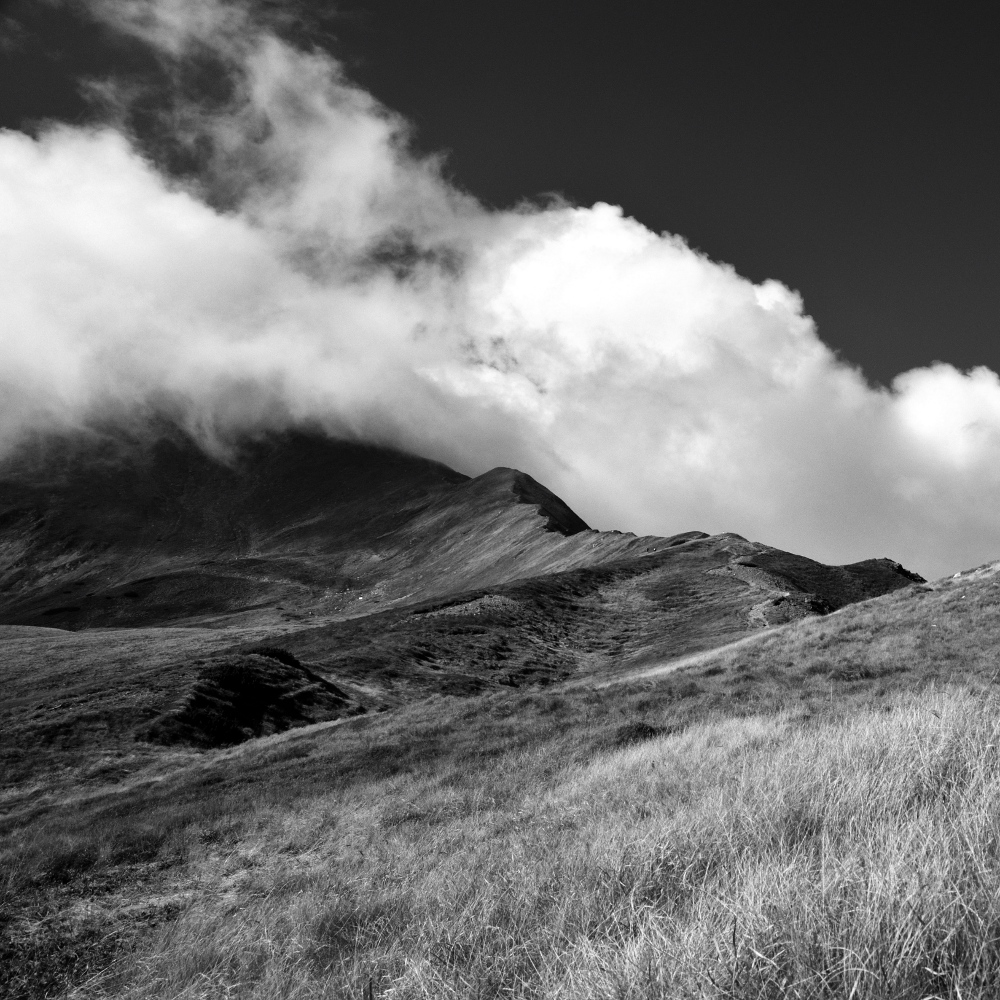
column 380, row 578
column 100, row 529
column 250, row 704
column 530, row 837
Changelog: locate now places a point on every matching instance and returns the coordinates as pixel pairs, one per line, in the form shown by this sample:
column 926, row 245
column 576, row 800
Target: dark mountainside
column 100, row 530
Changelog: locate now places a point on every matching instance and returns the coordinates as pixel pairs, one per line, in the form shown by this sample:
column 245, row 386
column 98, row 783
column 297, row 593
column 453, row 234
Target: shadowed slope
column 237, row 698
column 101, row 529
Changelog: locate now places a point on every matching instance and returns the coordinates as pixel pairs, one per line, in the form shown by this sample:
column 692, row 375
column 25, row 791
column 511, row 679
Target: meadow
column 812, row 812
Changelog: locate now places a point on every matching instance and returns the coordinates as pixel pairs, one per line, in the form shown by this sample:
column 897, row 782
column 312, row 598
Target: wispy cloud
column 314, row 268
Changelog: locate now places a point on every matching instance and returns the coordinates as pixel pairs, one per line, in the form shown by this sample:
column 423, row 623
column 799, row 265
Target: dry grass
column 755, row 857
column 811, row 814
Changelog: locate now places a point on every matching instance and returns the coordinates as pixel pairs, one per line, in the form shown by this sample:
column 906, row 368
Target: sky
column 725, row 269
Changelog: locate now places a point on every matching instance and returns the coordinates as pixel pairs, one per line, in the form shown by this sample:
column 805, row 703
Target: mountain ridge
column 99, row 530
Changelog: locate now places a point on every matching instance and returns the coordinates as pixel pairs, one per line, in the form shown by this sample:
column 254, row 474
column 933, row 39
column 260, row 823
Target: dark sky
column 851, row 156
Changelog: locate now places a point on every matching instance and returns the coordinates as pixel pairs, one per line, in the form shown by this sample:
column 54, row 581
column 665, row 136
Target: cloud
column 314, row 269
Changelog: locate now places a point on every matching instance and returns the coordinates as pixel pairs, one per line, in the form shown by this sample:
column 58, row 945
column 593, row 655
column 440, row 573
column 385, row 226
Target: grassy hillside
column 808, row 812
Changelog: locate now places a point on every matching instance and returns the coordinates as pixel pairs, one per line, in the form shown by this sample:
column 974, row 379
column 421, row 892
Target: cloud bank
column 315, row 269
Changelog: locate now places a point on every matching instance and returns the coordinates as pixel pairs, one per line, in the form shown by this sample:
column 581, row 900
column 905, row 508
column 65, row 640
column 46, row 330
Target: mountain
column 189, row 635
column 387, row 572
column 155, row 595
column 151, row 591
column 102, row 530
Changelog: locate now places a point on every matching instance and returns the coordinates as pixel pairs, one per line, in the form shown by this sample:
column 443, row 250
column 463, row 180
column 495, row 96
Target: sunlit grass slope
column 747, row 857
column 814, row 812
